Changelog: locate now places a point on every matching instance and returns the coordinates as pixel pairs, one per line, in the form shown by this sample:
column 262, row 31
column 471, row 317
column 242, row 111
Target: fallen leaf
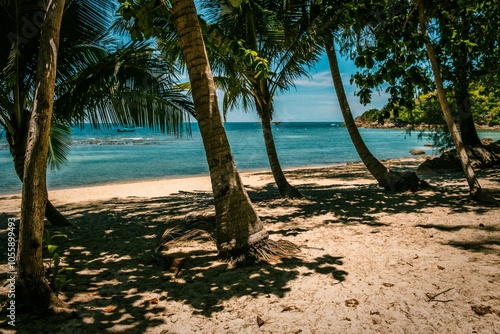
column 260, row 322
column 440, row 268
column 351, row 302
column 153, row 301
column 481, row 310
column 289, row 308
column 109, row 309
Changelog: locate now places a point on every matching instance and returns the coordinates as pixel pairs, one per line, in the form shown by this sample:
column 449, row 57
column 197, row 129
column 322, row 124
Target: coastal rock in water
column 481, row 156
column 417, row 152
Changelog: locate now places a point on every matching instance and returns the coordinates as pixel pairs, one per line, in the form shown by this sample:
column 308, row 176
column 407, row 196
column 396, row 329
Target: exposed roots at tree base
column 399, row 182
column 44, row 303
column 479, row 195
column 292, row 193
column 265, row 250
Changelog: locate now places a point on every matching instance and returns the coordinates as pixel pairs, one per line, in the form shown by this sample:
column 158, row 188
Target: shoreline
column 370, row 261
column 167, row 183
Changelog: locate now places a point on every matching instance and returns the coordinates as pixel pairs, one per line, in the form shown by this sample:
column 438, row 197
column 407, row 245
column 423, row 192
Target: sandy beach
column 370, row 261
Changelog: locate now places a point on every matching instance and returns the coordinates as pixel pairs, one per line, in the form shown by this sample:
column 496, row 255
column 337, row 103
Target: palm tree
column 95, row 83
column 31, row 276
column 323, row 18
column 276, row 32
column 474, row 186
column 241, row 235
column 386, row 178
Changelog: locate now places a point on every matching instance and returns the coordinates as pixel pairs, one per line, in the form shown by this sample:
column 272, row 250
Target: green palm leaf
column 59, row 145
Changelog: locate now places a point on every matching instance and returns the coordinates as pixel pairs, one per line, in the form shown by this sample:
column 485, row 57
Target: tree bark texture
column 389, row 180
column 238, row 226
column 461, row 64
column 376, row 168
column 263, row 102
column 31, row 276
column 18, row 152
column 475, row 188
column 462, row 97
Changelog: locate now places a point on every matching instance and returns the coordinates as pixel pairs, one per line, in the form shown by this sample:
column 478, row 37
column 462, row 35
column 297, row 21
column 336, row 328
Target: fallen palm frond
column 175, row 237
column 266, row 250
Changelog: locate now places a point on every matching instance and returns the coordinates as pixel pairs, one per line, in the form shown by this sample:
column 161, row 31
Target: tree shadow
column 206, row 288
column 117, row 285
column 483, row 245
column 363, row 203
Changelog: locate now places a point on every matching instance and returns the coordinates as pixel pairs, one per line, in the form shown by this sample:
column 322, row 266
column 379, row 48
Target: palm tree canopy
column 100, row 79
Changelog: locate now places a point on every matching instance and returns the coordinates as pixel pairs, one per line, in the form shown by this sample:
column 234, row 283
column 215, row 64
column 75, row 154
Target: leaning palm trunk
column 31, row 278
column 284, row 187
column 386, row 178
column 461, row 82
column 18, row 152
column 240, row 233
column 475, row 188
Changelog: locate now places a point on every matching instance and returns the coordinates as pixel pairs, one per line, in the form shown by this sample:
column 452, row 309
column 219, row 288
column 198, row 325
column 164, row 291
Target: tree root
column 258, row 248
column 266, row 250
column 483, row 197
column 399, row 182
column 44, row 303
column 292, row 192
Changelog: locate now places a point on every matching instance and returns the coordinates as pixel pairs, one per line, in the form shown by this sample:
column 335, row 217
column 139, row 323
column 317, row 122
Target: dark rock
column 417, row 152
column 481, row 156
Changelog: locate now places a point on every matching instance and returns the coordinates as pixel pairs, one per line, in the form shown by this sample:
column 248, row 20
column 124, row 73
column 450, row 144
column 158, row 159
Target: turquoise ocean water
column 105, row 155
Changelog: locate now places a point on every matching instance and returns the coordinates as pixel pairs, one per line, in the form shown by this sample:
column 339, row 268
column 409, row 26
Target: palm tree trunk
column 18, row 152
column 461, row 63
column 263, row 101
column 31, row 277
column 386, row 178
column 240, row 233
column 475, row 188
column 467, row 127
column 284, row 187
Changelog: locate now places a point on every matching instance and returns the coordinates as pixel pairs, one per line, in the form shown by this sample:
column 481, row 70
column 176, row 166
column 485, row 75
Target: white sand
column 371, row 262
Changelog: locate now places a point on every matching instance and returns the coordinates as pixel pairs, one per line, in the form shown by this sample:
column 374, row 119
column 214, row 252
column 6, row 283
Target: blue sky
column 314, row 100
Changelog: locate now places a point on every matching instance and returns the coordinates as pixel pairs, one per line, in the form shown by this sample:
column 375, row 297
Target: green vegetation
column 485, row 107
column 55, row 274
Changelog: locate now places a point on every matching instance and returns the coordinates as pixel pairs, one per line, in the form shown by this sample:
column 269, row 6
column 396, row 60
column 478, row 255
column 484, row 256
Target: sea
column 99, row 156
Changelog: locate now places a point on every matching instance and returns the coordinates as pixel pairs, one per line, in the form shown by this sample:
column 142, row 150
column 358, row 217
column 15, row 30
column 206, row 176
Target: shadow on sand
column 117, row 286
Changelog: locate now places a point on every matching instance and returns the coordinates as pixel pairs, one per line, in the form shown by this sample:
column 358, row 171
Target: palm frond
column 59, row 145
column 132, row 84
